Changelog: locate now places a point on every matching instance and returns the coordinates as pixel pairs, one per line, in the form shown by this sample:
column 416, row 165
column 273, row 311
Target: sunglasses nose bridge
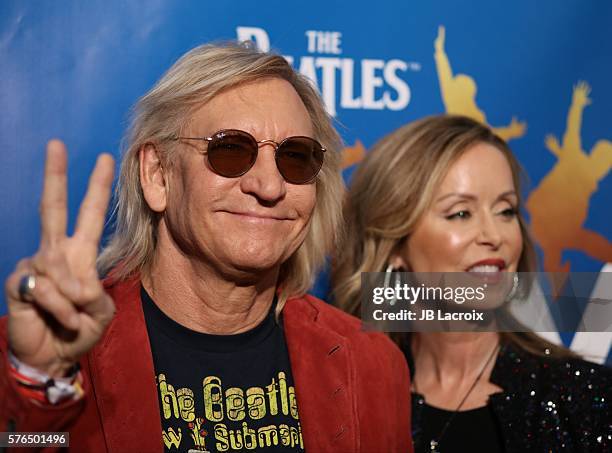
column 272, row 143
column 275, row 145
column 269, row 142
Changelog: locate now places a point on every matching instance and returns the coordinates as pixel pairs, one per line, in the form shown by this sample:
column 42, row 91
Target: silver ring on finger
column 26, row 286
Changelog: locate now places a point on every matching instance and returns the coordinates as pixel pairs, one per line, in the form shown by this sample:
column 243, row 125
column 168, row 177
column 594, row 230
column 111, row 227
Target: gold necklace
column 433, row 443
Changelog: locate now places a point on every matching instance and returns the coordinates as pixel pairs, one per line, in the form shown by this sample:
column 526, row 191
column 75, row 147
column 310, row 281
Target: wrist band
column 39, row 386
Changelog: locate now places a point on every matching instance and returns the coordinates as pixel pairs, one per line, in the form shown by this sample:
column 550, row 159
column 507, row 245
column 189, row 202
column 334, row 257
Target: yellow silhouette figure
column 560, row 204
column 353, row 154
column 459, row 93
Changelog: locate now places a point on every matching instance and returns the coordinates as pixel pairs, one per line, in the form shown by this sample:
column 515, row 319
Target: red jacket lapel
column 124, row 379
column 324, row 381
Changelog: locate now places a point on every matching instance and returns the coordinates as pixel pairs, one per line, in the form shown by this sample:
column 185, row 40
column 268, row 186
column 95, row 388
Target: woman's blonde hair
column 159, row 116
column 392, row 189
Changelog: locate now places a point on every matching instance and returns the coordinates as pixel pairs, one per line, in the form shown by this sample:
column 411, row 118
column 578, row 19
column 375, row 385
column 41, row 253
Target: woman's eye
column 459, row 215
column 510, row 212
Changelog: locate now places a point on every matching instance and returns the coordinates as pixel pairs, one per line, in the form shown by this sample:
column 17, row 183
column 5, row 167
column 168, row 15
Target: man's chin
column 246, row 267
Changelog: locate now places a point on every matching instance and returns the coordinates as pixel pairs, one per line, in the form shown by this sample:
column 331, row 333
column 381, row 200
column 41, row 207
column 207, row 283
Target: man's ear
column 152, row 177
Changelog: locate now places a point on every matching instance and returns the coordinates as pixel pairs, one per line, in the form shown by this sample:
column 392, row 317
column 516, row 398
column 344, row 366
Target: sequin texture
column 548, row 404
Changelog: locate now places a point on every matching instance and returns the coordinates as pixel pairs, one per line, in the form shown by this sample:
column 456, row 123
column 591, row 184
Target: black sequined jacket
column 548, row 405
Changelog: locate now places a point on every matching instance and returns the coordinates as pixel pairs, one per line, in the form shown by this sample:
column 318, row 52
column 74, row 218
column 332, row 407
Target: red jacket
column 352, row 387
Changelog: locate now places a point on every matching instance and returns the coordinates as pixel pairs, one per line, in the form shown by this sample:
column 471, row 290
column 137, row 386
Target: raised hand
column 553, row 144
column 581, row 94
column 517, row 128
column 439, row 42
column 68, row 309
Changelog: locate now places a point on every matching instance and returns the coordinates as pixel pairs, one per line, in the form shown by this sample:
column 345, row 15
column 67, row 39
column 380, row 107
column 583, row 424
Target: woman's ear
column 398, row 262
column 152, row 177
column 398, row 258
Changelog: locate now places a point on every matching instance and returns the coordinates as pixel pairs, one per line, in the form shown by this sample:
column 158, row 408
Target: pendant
column 433, row 445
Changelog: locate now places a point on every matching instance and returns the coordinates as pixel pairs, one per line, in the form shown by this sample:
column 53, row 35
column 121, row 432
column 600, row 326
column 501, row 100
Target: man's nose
column 263, row 180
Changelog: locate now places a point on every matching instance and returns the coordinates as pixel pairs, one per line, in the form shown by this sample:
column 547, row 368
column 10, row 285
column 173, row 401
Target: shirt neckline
column 192, row 339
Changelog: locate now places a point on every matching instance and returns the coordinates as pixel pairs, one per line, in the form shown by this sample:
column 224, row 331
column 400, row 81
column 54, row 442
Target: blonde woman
column 442, row 195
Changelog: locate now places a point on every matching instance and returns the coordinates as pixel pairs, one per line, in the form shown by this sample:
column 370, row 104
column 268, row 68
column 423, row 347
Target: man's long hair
column 160, row 116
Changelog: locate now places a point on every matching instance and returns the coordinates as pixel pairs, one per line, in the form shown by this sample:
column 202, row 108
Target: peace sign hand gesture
column 65, row 313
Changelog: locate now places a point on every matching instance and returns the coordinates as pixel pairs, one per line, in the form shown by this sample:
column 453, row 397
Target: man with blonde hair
column 227, row 203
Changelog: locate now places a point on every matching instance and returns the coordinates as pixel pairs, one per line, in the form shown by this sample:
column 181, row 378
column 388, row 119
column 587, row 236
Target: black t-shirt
column 473, row 430
column 223, row 393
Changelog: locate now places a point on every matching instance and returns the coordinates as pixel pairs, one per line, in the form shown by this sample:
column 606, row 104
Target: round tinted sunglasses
column 232, row 153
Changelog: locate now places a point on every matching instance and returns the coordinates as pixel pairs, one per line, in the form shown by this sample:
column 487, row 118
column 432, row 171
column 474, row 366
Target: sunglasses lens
column 299, row 159
column 232, row 153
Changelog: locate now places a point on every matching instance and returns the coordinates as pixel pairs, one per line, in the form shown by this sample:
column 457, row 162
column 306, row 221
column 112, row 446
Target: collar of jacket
column 123, row 378
column 508, row 374
column 507, row 358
